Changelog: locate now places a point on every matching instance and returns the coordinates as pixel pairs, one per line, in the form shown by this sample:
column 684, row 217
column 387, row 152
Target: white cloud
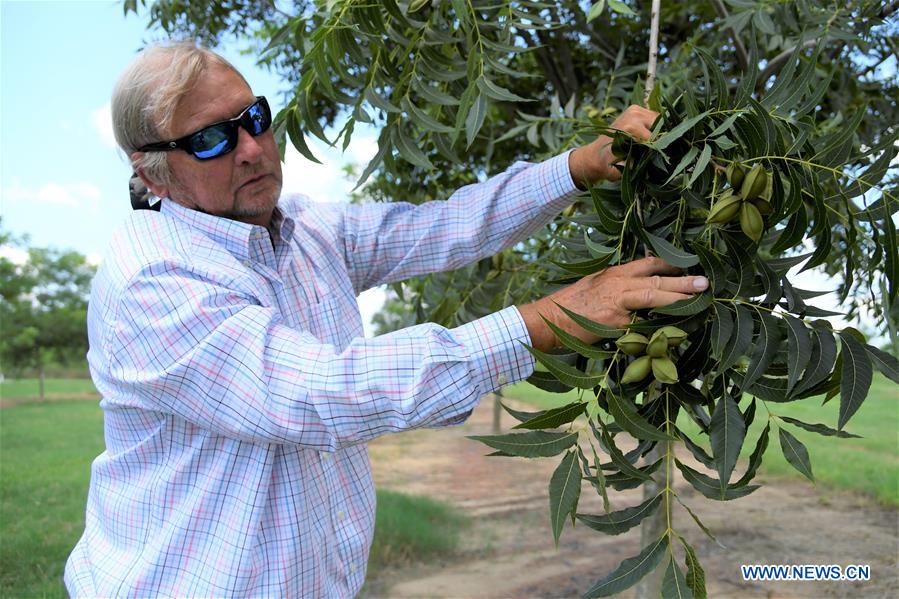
column 14, row 254
column 327, row 182
column 101, row 119
column 75, row 195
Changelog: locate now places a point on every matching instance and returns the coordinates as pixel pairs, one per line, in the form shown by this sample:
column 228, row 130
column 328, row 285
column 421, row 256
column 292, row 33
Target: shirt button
column 324, row 455
column 341, row 515
column 501, row 380
column 353, row 568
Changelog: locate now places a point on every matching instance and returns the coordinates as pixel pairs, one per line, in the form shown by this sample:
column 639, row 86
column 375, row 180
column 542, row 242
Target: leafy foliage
column 44, row 307
column 750, row 172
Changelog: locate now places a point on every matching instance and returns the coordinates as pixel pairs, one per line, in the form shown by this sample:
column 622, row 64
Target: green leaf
column 884, row 362
column 698, row 452
column 378, row 101
column 692, row 305
column 631, row 570
column 627, row 417
column 597, row 250
column 726, row 125
column 555, row 417
column 672, row 136
column 670, row 254
column 755, row 460
column 548, row 382
column 434, row 95
column 620, row 7
column 856, row 377
column 740, row 340
column 712, row 488
column 409, row 150
column 695, row 573
column 296, row 136
column 598, row 480
column 722, row 328
column 821, row 429
column 799, row 350
column 701, row 164
column 619, row 460
column 569, row 375
column 712, row 267
column 521, row 416
column 726, row 432
column 424, row 119
column 572, row 342
column 475, row 118
column 596, row 10
column 699, row 523
column 497, row 92
column 674, row 584
column 767, row 343
column 564, row 491
column 821, row 361
column 622, row 520
column 534, row 444
column 686, row 161
column 600, row 330
column 796, row 454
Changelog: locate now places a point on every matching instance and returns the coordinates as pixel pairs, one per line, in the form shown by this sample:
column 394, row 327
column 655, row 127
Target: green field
column 30, row 388
column 869, row 465
column 46, row 449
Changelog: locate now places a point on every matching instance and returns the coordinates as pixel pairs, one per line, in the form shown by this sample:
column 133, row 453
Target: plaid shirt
column 239, row 392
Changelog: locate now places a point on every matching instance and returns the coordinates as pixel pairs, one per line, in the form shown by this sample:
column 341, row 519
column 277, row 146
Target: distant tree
column 43, row 314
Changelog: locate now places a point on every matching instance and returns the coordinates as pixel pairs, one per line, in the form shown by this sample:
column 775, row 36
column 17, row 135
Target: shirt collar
column 235, row 236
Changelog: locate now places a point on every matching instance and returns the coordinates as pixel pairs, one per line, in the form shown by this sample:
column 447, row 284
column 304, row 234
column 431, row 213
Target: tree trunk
column 40, row 373
column 497, row 410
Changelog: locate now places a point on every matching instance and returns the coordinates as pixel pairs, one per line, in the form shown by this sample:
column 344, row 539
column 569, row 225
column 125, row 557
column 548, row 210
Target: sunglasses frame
column 241, row 120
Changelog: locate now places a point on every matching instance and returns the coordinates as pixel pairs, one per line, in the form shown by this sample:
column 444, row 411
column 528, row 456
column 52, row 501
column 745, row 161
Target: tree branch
column 742, row 54
column 889, row 9
column 653, row 50
column 777, row 63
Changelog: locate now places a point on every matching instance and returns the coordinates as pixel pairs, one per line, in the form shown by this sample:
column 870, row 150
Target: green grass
column 45, row 454
column 19, row 388
column 412, row 528
column 869, row 465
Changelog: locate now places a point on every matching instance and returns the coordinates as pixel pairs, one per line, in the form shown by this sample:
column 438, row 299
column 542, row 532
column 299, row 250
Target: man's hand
column 608, row 297
column 593, row 162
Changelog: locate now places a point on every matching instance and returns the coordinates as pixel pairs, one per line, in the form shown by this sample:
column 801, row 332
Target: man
column 225, row 339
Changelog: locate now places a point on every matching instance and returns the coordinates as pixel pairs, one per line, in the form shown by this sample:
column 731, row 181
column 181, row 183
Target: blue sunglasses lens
column 220, row 138
column 213, row 141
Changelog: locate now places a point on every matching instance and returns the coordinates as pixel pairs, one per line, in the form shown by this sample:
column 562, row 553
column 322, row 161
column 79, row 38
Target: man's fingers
column 637, row 299
column 646, row 267
column 678, row 284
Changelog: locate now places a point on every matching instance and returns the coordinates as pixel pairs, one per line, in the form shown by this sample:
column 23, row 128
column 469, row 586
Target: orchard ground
column 506, row 549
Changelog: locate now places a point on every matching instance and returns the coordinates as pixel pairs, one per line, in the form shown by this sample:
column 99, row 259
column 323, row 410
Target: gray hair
column 147, row 94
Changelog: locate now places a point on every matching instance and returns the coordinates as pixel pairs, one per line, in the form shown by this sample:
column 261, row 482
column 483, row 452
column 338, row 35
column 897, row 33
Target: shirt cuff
column 497, row 355
column 555, row 178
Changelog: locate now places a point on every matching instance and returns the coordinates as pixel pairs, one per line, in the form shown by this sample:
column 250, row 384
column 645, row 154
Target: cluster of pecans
column 654, row 355
column 751, row 202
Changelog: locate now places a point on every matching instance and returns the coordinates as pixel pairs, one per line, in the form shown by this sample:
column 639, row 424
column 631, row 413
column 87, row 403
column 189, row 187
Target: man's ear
column 157, row 189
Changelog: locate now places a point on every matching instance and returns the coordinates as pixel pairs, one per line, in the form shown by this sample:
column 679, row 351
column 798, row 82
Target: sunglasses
column 219, row 138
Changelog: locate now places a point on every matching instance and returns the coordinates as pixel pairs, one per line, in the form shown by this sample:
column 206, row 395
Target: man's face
column 242, row 185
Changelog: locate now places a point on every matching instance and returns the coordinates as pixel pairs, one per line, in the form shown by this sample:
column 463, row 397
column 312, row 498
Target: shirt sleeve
column 186, row 345
column 387, row 242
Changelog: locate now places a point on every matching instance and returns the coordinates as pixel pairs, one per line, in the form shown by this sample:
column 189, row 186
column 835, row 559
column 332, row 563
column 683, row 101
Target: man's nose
column 248, row 150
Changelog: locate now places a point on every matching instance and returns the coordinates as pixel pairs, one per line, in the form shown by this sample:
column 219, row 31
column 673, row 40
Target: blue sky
column 62, row 181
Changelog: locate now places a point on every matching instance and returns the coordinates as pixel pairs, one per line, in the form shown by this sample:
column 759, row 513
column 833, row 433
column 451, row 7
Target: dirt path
column 509, row 551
